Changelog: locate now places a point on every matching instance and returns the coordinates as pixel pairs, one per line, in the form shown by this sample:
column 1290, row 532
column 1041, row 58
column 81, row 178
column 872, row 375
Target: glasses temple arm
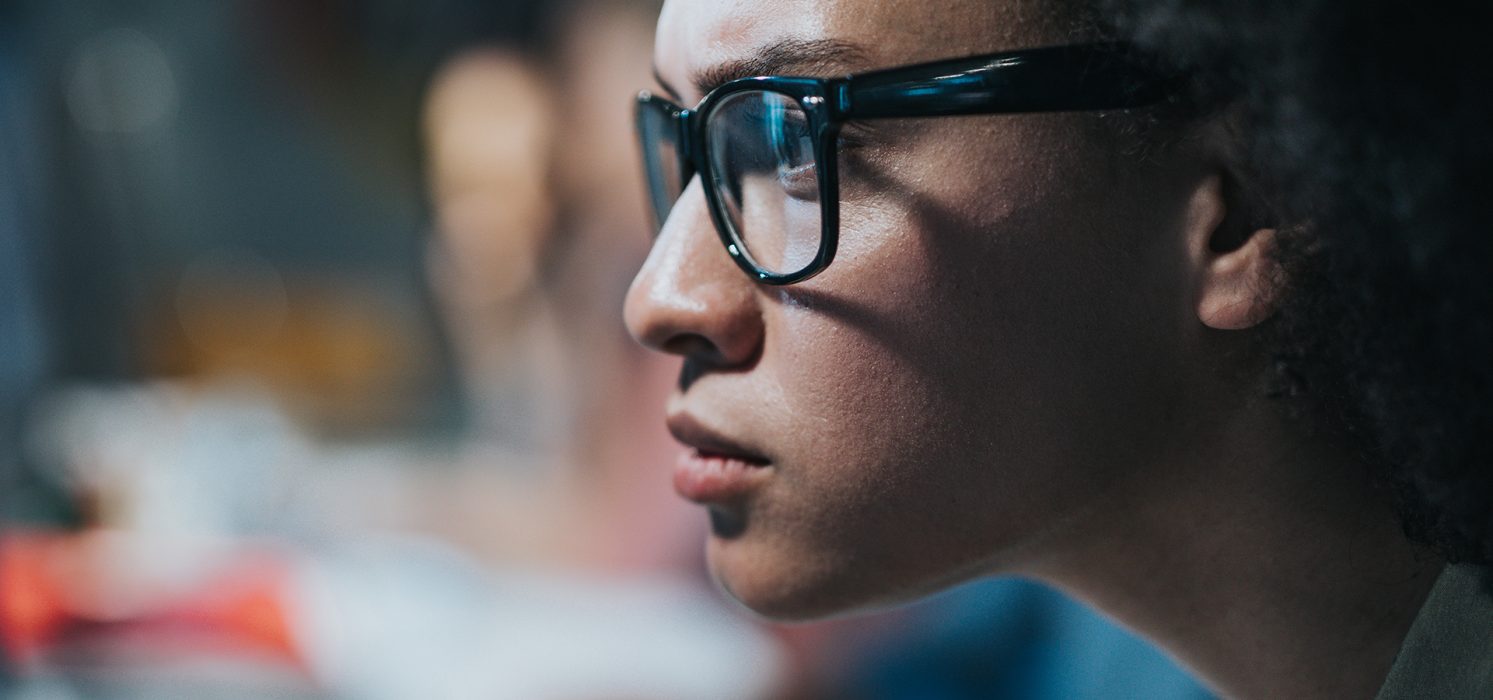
column 1060, row 79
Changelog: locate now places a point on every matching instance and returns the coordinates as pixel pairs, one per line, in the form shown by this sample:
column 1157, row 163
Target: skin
column 1031, row 356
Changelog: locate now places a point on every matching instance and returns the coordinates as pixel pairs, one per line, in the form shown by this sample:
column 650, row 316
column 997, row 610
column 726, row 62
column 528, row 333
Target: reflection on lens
column 761, row 156
column 660, row 157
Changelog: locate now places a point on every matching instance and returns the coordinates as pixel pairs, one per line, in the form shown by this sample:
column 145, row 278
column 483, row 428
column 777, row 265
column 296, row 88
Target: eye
column 793, row 147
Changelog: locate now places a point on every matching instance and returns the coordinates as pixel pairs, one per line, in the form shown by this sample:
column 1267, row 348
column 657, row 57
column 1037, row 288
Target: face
column 492, row 212
column 983, row 373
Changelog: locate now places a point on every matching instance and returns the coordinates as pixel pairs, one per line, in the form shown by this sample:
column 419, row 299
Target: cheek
column 1039, row 266
column 1002, row 350
column 893, row 481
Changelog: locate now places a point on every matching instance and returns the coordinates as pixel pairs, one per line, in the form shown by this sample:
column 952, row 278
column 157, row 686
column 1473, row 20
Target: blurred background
column 313, row 382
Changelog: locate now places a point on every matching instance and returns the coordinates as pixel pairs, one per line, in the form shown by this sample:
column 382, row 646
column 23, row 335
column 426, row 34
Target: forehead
column 697, row 35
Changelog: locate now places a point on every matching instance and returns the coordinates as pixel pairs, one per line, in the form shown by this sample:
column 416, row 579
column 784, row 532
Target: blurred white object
column 390, row 620
column 169, row 460
column 189, row 484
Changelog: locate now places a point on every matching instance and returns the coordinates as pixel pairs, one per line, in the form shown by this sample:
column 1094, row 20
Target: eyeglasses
column 767, row 148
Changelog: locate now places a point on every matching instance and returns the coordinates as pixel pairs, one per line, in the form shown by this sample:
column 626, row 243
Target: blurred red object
column 32, row 611
column 45, row 607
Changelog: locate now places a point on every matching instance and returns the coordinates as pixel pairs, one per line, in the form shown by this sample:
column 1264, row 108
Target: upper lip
column 689, row 430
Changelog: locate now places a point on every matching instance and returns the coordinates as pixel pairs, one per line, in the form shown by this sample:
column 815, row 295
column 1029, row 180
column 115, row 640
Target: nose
column 690, row 299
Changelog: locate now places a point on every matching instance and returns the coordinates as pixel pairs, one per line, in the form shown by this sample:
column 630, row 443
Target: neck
column 1270, row 566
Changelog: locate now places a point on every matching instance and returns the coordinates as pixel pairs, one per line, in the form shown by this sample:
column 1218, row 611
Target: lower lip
column 710, row 478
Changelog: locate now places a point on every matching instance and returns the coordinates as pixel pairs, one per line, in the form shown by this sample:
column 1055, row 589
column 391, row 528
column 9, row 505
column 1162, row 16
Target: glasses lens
column 660, row 136
column 761, row 157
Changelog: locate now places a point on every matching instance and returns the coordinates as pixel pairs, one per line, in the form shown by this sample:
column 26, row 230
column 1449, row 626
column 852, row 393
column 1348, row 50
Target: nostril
column 702, row 357
column 703, row 354
column 691, row 345
column 689, row 372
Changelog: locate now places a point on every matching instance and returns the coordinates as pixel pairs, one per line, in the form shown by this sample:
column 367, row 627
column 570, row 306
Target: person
column 529, row 256
column 1178, row 308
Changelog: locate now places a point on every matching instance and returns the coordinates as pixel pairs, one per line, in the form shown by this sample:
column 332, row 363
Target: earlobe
column 1238, row 279
column 1239, row 288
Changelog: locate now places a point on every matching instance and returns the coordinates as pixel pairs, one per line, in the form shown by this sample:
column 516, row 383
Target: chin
column 787, row 586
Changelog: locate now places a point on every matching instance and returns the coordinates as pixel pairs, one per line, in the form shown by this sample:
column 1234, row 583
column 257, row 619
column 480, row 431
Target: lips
column 714, row 469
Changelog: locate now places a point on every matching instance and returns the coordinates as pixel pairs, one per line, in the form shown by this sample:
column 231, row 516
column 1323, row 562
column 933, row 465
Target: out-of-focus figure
column 538, row 226
column 489, row 136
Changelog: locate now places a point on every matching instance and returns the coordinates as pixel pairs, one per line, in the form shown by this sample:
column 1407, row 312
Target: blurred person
column 1042, row 339
column 528, row 260
column 488, row 127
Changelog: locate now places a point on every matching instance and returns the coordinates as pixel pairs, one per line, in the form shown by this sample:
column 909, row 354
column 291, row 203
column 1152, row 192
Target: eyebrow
column 802, row 57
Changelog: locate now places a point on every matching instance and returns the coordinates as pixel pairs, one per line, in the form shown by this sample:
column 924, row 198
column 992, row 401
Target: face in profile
column 988, row 372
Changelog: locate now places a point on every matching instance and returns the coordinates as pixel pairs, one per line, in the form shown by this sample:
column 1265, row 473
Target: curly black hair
column 1369, row 124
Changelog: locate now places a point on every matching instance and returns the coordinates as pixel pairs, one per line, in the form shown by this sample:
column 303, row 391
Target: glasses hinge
column 685, row 123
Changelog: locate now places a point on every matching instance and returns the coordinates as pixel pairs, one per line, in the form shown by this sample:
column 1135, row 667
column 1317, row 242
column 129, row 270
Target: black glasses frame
column 1084, row 77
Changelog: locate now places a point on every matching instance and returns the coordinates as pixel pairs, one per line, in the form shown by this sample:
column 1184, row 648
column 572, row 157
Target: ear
column 1237, row 276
